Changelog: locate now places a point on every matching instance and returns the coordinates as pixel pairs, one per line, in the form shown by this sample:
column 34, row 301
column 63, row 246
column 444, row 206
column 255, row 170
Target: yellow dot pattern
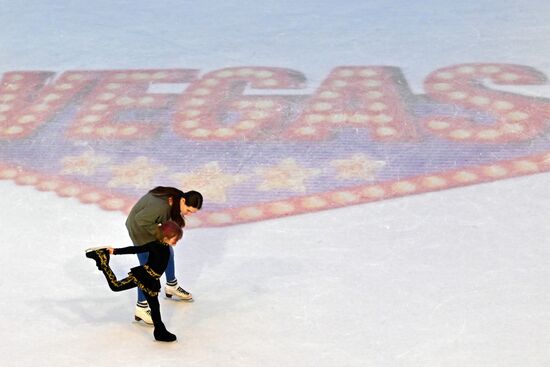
column 355, row 97
column 30, row 99
column 214, row 107
column 118, row 91
column 516, row 117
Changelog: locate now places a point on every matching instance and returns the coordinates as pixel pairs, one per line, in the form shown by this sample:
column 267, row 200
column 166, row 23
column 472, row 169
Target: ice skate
column 100, row 255
column 178, row 292
column 163, row 335
column 143, row 313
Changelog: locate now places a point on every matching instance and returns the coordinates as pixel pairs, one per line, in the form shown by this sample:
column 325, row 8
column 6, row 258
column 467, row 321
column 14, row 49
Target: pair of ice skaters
column 154, row 226
column 145, row 277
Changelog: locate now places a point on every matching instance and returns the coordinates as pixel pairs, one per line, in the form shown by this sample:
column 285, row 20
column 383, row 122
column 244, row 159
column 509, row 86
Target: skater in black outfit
column 146, row 276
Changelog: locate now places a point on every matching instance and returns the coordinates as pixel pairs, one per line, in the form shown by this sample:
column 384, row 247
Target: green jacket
column 144, row 218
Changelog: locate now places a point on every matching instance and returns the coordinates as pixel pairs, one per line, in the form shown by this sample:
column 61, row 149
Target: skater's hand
column 111, row 250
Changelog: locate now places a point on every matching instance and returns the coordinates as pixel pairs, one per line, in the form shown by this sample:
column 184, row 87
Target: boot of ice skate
column 100, row 255
column 143, row 313
column 163, row 335
column 178, row 292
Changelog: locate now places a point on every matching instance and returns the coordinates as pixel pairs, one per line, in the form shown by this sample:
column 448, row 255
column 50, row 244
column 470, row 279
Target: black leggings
column 128, row 283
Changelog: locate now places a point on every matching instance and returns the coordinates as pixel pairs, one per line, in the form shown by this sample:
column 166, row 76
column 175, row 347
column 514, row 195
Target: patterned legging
column 129, row 283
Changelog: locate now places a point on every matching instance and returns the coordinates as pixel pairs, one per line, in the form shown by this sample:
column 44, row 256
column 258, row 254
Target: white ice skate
column 143, row 314
column 178, row 292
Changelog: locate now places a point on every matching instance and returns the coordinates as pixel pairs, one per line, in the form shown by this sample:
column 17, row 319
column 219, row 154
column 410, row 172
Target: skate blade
column 138, row 319
column 91, row 249
column 176, row 298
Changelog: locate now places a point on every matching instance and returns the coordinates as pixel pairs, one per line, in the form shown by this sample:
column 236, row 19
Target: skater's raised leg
column 115, row 284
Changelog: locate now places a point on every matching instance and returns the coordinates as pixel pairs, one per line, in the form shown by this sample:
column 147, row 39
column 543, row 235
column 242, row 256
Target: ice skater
column 146, row 276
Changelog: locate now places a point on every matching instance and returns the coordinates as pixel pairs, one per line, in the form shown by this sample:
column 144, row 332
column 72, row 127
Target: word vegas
column 218, row 105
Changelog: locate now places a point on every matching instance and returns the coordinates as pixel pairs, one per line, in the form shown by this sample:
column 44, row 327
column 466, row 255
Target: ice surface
column 449, row 278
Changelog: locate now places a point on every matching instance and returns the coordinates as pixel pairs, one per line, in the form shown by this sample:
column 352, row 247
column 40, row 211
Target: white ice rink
column 451, row 278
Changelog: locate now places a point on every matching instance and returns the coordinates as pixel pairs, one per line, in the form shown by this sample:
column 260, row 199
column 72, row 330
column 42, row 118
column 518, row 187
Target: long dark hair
column 192, row 198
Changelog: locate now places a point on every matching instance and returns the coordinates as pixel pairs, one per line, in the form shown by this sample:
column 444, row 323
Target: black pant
column 129, row 283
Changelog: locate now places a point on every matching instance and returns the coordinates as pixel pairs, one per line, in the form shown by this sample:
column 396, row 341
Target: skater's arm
column 129, row 250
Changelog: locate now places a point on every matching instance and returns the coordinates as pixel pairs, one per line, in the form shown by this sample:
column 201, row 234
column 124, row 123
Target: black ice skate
column 100, row 255
column 163, row 335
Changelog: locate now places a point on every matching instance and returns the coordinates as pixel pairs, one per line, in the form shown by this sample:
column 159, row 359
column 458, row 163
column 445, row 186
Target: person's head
column 169, row 232
column 190, row 203
column 181, row 203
